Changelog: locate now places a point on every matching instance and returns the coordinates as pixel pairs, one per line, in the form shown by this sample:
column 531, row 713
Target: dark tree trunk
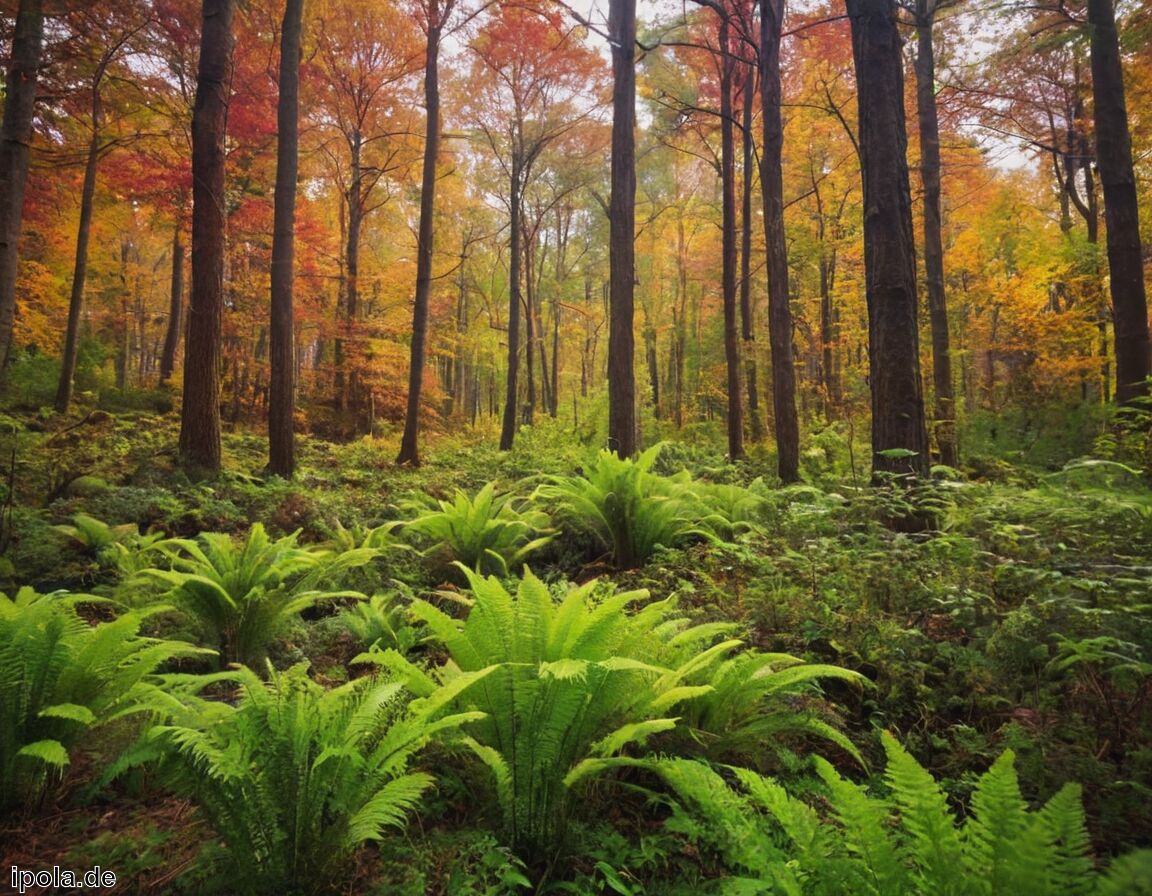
column 772, row 186
column 15, row 141
column 282, row 386
column 554, row 409
column 622, row 232
column 728, row 245
column 200, row 413
column 889, row 249
column 530, row 327
column 511, row 399
column 80, row 268
column 409, row 442
column 747, row 321
column 945, row 424
column 175, row 308
column 1121, row 215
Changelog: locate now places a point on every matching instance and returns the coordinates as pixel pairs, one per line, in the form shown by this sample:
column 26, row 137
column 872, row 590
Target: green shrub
column 488, row 534
column 381, row 622
column 908, row 842
column 60, row 677
column 628, row 509
column 243, row 593
column 294, row 778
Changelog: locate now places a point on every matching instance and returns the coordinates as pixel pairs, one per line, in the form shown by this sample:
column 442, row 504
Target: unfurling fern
column 907, row 843
column 294, row 778
column 60, row 677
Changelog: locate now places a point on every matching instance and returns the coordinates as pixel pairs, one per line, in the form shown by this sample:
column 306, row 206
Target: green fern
column 905, row 844
column 382, row 622
column 294, row 778
column 571, row 687
column 243, row 593
column 60, row 677
column 488, row 533
column 627, row 508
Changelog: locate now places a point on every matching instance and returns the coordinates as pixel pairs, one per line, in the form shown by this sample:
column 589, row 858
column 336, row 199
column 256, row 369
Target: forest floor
column 991, row 609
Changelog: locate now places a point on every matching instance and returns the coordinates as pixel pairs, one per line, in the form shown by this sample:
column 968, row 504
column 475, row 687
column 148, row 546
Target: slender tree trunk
column 511, row 399
column 175, row 308
column 1121, row 212
column 622, row 232
column 410, row 441
column 530, row 327
column 282, row 387
column 80, row 268
column 15, row 142
column 933, row 243
column 728, row 245
column 747, row 321
column 554, row 409
column 200, row 413
column 889, row 249
column 772, row 186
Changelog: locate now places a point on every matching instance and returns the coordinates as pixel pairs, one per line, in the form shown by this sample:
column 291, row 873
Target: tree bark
column 80, row 268
column 728, row 245
column 200, row 413
column 511, row 399
column 889, row 250
column 747, row 321
column 15, row 152
column 622, row 232
column 945, row 423
column 1121, row 213
column 175, row 308
column 410, row 441
column 282, row 329
column 772, row 186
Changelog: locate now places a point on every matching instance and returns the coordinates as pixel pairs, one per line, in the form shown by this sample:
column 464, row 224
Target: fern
column 572, row 686
column 628, row 509
column 60, row 678
column 243, row 593
column 905, row 844
column 488, row 534
column 294, row 778
column 381, row 621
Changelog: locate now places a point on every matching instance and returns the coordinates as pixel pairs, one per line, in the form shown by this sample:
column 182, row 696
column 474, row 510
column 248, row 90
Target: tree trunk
column 772, row 186
column 889, row 249
column 175, row 308
column 622, row 231
column 511, row 399
column 15, row 141
column 409, row 442
column 945, row 423
column 80, row 269
column 200, row 413
column 747, row 322
column 1121, row 215
column 282, row 387
column 728, row 245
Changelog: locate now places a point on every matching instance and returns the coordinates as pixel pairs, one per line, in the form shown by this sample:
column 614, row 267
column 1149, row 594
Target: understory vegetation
column 552, row 670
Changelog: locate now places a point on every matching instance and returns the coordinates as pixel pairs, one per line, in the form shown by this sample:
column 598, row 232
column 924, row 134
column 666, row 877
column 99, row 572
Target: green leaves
column 294, row 778
column 60, row 677
column 488, row 533
column 628, row 509
column 242, row 593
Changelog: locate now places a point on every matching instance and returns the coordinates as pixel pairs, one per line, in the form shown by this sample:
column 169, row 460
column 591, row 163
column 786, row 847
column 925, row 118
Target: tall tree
column 925, row 12
column 898, row 423
column 772, row 185
column 435, row 14
column 200, row 412
column 622, row 231
column 727, row 63
column 1121, row 211
column 15, row 142
column 281, row 332
column 108, row 40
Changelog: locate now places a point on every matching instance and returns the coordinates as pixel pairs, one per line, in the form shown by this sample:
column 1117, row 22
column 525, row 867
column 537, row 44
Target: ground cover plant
column 756, row 680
